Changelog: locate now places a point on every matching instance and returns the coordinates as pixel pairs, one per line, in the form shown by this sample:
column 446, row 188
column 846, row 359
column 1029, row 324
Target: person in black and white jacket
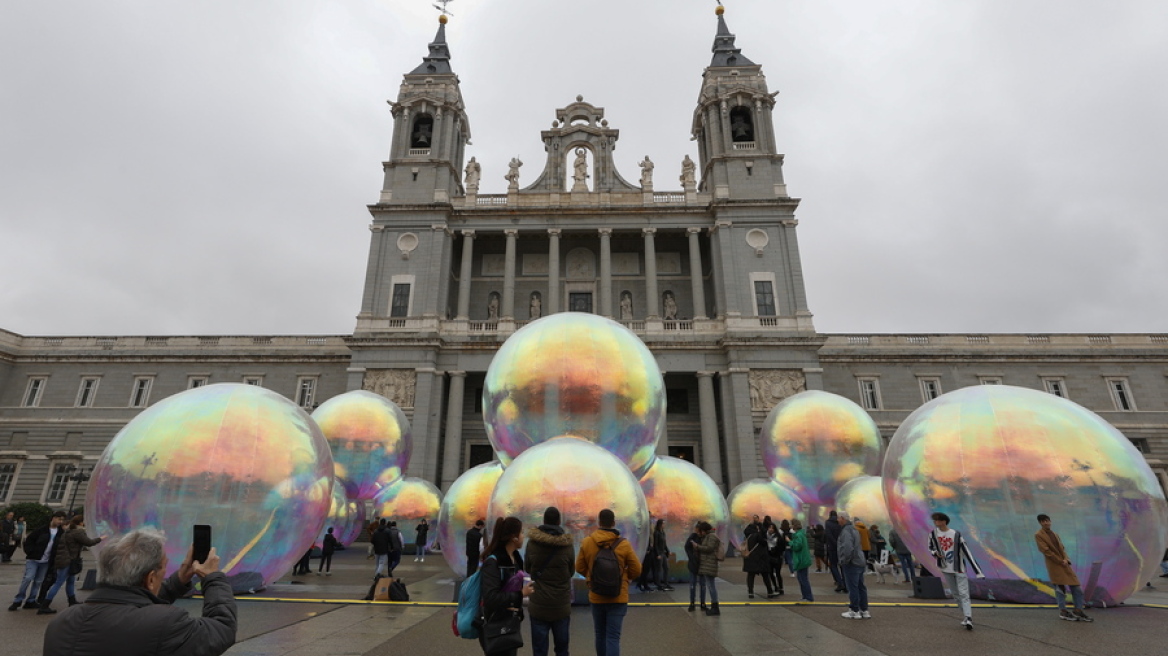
column 951, row 552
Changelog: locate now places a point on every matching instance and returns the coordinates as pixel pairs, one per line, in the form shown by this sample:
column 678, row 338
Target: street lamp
column 79, row 475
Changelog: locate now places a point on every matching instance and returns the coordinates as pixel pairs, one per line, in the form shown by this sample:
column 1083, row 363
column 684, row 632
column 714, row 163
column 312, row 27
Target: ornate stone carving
column 473, row 173
column 647, row 173
column 770, row 386
column 512, row 176
column 397, row 385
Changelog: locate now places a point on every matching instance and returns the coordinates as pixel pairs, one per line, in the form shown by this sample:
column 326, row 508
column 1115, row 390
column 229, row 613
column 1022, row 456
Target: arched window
column 423, row 132
column 741, row 124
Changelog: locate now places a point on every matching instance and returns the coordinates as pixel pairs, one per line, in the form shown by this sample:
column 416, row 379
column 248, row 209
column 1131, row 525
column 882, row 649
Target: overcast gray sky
column 203, row 167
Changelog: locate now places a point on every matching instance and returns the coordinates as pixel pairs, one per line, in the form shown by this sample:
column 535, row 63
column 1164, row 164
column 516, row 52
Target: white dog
column 885, row 565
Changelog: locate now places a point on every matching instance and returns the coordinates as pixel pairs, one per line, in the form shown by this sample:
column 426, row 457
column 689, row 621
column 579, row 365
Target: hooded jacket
column 865, row 539
column 624, row 553
column 708, row 554
column 130, row 621
column 800, row 554
column 72, row 542
column 848, row 546
column 550, row 561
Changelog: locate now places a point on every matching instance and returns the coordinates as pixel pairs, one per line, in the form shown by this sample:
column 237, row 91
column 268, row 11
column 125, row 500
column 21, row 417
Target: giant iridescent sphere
column 370, row 439
column 580, row 479
column 993, row 456
column 355, row 524
column 680, row 493
column 243, row 459
column 338, row 516
column 814, row 442
column 761, row 497
column 577, row 374
column 863, row 498
column 464, row 504
column 408, row 502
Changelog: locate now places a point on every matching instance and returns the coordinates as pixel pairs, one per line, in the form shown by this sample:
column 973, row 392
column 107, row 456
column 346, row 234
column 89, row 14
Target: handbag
column 75, row 566
column 501, row 632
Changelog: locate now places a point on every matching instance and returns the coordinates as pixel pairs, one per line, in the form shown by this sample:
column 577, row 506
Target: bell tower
column 733, row 127
column 430, row 132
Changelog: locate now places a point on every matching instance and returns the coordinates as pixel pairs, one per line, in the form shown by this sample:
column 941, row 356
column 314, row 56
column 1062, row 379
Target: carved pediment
column 397, row 385
column 768, row 387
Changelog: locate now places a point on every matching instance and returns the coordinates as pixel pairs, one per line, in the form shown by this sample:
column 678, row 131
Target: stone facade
column 708, row 275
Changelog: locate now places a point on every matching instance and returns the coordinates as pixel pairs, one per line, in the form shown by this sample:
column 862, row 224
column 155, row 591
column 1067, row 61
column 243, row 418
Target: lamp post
column 79, row 475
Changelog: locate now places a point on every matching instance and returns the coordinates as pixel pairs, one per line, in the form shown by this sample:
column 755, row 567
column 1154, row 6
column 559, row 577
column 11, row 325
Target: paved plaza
column 319, row 616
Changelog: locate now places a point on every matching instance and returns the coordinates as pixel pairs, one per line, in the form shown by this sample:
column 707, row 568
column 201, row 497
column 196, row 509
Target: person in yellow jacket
column 608, row 610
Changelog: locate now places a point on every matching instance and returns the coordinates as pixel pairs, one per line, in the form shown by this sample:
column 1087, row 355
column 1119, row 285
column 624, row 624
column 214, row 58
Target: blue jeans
column 1060, row 596
column 34, row 573
column 708, row 582
column 539, row 636
column 857, row 591
column 382, row 561
column 804, row 584
column 607, row 619
column 693, row 586
column 906, row 563
column 65, row 579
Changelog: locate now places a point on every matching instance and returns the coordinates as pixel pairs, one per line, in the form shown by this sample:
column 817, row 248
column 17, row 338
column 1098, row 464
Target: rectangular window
column 1056, row 386
column 7, row 478
column 400, row 305
column 141, row 394
column 1120, row 394
column 258, row 381
column 764, row 298
column 930, row 388
column 58, row 483
column 1141, row 444
column 870, row 393
column 87, row 391
column 305, row 392
column 32, row 395
column 194, row 382
column 990, row 380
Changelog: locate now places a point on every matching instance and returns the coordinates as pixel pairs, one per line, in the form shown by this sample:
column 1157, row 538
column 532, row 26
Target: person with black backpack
column 607, row 562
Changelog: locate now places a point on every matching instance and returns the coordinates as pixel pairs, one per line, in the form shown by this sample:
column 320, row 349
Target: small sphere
column 370, row 440
column 761, row 497
column 680, row 493
column 464, row 504
column 408, row 501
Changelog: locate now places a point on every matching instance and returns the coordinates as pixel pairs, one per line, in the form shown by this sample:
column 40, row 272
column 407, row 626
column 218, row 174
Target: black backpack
column 607, row 576
column 397, row 591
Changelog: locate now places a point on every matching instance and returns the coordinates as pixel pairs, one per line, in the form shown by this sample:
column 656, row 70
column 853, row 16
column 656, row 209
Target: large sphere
column 580, row 479
column 814, row 442
column 356, row 523
column 575, row 374
column 464, row 504
column 408, row 502
column 682, row 494
column 241, row 458
column 338, row 517
column 761, row 497
column 992, row 457
column 370, row 439
column 863, row 498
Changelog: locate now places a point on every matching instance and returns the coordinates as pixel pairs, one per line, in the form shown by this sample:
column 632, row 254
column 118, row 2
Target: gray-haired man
column 130, row 613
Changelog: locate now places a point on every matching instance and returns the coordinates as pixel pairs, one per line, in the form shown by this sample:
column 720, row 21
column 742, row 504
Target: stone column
column 464, row 275
column 421, row 417
column 453, row 446
column 695, row 271
column 605, row 309
column 507, row 312
column 653, row 302
column 553, row 294
column 711, row 453
column 720, row 234
column 745, row 463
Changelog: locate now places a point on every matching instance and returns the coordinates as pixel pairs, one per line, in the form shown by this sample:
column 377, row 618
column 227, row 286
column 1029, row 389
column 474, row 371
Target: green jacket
column 800, row 554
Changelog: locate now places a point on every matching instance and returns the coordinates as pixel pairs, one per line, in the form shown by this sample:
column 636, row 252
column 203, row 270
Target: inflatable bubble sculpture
column 680, row 493
column 992, row 457
column 370, row 440
column 408, row 502
column 243, row 459
column 465, row 503
column 814, row 442
column 761, row 497
column 863, row 498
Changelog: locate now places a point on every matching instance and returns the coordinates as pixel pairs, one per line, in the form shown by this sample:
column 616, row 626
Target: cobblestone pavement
column 320, row 615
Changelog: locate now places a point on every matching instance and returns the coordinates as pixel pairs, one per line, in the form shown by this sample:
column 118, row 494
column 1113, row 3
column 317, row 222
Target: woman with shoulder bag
column 502, row 593
column 68, row 562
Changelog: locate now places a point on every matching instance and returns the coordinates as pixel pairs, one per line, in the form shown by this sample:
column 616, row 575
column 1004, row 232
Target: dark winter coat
column 551, row 562
column 381, row 541
column 898, row 544
column 329, row 545
column 423, row 532
column 756, row 559
column 708, row 551
column 831, row 533
column 71, row 546
column 37, row 541
column 474, row 538
column 494, row 573
column 121, row 621
column 691, row 554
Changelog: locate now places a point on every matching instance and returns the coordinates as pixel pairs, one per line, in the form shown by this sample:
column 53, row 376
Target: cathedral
column 699, row 258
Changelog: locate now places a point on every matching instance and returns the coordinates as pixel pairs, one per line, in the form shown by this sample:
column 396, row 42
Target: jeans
column 837, row 574
column 857, row 590
column 1060, row 596
column 662, row 570
column 959, row 585
column 326, row 562
column 30, row 585
column 382, row 561
column 607, row 620
column 805, row 584
column 63, row 578
column 694, row 579
column 394, row 561
column 539, row 636
column 906, row 563
column 708, row 582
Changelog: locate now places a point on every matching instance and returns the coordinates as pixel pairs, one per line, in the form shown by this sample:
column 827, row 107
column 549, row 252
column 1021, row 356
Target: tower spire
column 725, row 54
column 437, row 61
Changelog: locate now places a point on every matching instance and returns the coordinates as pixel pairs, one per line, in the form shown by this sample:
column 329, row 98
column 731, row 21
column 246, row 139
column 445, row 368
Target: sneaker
column 750, row 595
column 1082, row 617
column 967, row 623
column 807, row 601
column 865, row 614
column 15, row 606
column 31, row 605
column 851, row 615
column 1068, row 616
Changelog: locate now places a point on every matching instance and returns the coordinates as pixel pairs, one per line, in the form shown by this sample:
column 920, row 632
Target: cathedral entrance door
column 580, row 301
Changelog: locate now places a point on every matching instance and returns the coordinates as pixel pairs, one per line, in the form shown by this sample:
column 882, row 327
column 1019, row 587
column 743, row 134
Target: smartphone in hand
column 202, row 542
